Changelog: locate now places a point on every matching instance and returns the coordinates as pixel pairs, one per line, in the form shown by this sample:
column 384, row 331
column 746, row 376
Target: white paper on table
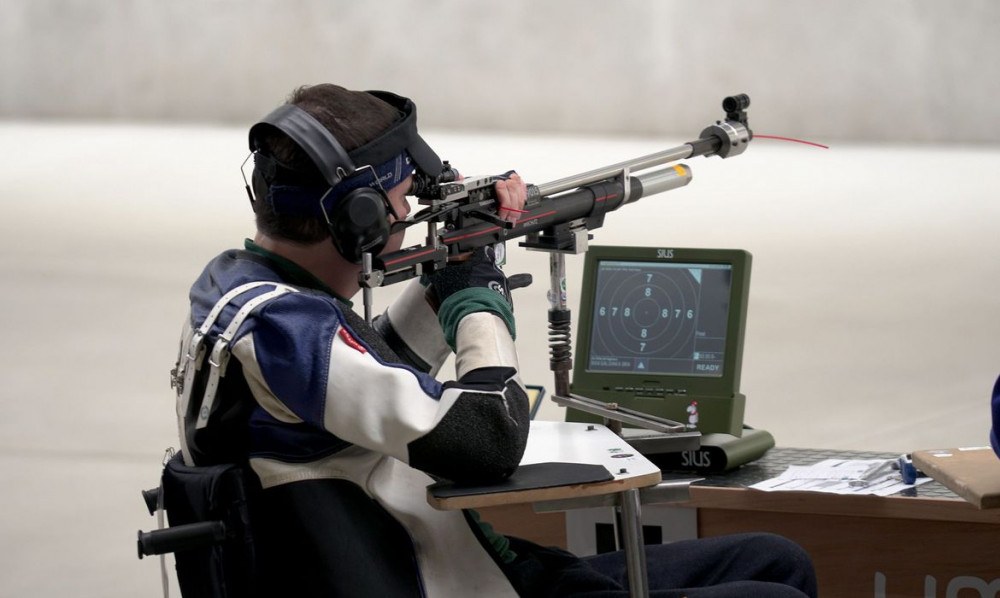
column 841, row 476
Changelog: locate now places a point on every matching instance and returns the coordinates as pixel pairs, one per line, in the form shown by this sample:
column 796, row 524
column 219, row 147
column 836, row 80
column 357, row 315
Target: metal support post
column 635, row 549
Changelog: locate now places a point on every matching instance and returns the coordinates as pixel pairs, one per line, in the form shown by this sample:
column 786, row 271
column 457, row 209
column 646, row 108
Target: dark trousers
column 733, row 566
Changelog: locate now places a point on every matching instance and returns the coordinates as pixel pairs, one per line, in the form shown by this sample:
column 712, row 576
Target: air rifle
column 461, row 215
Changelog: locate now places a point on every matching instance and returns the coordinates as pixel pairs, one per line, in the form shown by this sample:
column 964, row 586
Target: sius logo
column 665, row 254
column 696, row 459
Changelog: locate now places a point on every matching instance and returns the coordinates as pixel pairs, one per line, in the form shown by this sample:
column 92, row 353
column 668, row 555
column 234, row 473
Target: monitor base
column 717, row 453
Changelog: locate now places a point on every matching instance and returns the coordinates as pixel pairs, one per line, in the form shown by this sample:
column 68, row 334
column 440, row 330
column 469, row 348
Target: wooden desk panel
column 875, row 556
column 895, row 507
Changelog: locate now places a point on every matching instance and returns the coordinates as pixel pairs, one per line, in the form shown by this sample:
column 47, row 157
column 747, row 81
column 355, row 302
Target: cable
column 756, row 136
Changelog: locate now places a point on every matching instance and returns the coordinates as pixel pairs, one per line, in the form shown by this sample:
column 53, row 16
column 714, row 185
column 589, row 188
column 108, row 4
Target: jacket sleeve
column 305, row 363
column 410, row 328
column 486, row 364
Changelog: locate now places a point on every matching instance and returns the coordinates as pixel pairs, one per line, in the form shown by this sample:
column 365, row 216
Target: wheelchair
column 209, row 513
column 231, row 539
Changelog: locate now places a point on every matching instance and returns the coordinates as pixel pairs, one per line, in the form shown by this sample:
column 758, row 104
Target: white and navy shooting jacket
column 345, row 426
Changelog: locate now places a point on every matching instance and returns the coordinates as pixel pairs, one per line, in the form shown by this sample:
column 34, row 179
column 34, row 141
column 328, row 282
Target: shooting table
column 634, row 480
column 925, row 541
column 900, row 545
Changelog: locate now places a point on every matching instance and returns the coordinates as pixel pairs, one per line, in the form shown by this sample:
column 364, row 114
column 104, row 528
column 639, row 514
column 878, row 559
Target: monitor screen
column 654, row 318
column 661, row 332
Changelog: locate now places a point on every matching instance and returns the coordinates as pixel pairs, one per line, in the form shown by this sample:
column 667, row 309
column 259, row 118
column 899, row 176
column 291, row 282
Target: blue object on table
column 908, row 470
column 995, row 430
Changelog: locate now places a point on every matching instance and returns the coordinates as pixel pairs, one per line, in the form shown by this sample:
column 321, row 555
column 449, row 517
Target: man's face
column 401, row 209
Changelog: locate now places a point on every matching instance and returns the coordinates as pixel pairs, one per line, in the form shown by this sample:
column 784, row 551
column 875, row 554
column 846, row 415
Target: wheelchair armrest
column 181, row 537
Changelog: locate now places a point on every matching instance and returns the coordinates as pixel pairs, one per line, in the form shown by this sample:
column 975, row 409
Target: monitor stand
column 717, row 453
column 669, row 435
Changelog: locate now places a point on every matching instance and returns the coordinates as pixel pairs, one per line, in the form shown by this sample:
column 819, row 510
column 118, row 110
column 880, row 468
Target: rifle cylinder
column 658, row 181
column 607, row 172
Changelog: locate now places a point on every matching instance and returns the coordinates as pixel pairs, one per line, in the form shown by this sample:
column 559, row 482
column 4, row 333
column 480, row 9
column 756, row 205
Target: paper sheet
column 841, row 476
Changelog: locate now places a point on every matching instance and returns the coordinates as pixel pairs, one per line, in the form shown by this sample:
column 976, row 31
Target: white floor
column 874, row 319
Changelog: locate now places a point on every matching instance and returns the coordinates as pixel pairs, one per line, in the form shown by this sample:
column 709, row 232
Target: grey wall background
column 876, row 289
column 899, row 70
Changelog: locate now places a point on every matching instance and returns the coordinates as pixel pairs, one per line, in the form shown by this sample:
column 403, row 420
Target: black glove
column 479, row 270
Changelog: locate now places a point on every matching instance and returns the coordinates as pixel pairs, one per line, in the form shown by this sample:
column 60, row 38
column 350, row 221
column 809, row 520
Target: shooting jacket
column 345, row 426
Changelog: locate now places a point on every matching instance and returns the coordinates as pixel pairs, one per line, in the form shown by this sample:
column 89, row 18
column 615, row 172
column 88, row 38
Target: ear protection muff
column 358, row 222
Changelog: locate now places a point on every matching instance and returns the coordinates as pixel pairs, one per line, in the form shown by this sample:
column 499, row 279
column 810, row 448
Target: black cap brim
column 401, row 135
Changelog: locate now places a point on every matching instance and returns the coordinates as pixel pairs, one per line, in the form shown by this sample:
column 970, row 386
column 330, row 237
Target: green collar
column 292, row 272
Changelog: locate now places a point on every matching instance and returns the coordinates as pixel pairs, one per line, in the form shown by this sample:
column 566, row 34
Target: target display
column 660, row 318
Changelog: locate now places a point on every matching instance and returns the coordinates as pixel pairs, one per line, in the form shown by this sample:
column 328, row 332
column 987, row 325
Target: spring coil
column 560, row 348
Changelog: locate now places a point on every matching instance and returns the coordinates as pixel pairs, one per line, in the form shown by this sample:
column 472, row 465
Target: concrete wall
column 893, row 70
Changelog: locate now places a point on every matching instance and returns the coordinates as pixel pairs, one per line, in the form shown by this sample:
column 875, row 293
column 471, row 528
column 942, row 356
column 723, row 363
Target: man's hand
column 512, row 192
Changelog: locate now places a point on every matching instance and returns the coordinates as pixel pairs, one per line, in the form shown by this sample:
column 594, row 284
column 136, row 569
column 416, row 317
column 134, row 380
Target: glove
column 474, row 285
column 479, row 270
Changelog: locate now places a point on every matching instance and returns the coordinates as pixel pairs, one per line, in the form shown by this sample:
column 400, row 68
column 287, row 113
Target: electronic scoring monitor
column 660, row 331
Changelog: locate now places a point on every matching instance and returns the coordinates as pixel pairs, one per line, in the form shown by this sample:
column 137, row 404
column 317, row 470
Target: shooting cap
column 401, row 135
column 381, row 163
column 327, row 153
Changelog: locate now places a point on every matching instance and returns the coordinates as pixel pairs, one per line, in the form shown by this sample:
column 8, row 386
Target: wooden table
column 925, row 542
